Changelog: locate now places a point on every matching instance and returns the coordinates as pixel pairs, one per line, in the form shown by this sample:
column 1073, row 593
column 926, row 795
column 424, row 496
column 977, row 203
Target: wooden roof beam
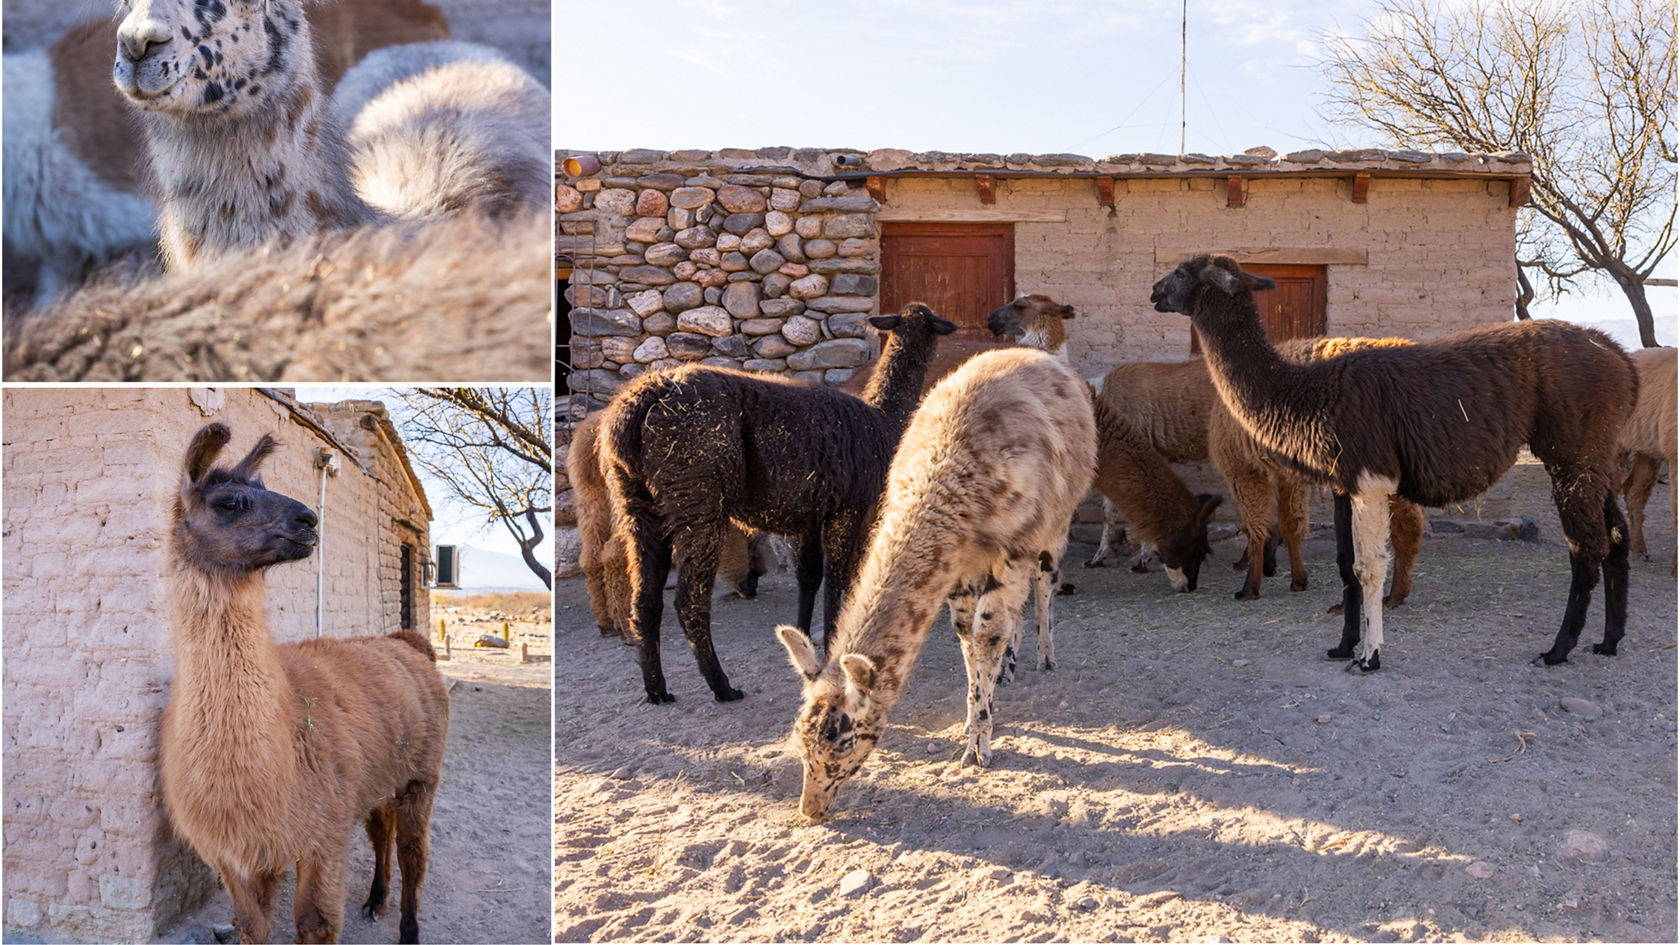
column 1236, row 194
column 1519, row 191
column 986, row 184
column 1361, row 186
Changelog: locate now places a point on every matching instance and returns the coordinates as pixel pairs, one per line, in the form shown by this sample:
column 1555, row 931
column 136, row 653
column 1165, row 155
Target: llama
column 687, row 449
column 75, row 196
column 245, row 147
column 1260, row 482
column 1648, row 438
column 978, row 502
column 492, row 156
column 742, row 559
column 271, row 755
column 1131, row 476
column 1435, row 423
column 464, row 292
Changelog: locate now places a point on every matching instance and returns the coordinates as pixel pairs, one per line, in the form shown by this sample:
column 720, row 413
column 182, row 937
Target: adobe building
column 771, row 259
column 89, row 478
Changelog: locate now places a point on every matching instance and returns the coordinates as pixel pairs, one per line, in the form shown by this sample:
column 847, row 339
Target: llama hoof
column 729, row 694
column 1335, row 610
column 1604, row 649
column 1096, row 563
column 1243, row 594
column 1294, row 586
column 973, row 757
column 372, row 912
column 1339, row 653
column 1046, row 665
column 1365, row 667
column 1390, row 602
column 1067, row 589
column 1140, row 568
column 660, row 698
column 607, row 630
column 1547, row 659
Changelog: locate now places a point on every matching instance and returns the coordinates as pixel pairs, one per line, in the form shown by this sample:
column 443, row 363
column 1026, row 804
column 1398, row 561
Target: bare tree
column 1587, row 89
column 492, row 448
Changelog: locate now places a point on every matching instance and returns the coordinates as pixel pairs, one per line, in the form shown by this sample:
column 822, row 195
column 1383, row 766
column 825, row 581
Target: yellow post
column 440, row 628
column 505, row 631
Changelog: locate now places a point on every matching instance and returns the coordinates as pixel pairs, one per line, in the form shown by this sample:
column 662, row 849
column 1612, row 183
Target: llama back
column 1167, row 401
column 384, row 691
column 1651, row 429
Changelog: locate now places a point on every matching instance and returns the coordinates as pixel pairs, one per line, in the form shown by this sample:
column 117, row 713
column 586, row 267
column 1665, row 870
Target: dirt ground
column 1194, row 769
column 488, row 876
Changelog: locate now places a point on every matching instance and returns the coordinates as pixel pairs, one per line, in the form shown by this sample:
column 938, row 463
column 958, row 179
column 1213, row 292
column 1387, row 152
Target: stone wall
column 680, row 261
column 769, row 259
column 89, row 474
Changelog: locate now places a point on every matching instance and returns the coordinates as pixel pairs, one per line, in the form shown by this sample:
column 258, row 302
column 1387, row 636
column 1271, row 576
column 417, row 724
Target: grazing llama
column 977, row 503
column 1435, row 423
column 271, row 755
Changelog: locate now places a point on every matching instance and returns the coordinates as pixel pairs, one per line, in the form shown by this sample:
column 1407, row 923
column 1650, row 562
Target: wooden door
column 962, row 270
column 1294, row 308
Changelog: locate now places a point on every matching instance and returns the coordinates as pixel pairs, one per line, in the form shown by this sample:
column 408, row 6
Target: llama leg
column 650, row 562
column 1370, row 565
column 318, row 903
column 1351, row 597
column 696, row 577
column 808, row 568
column 1615, row 579
column 596, row 581
column 965, row 605
column 414, row 819
column 253, row 903
column 1253, row 500
column 1583, row 513
column 1105, row 545
column 842, row 539
column 1045, row 579
column 1636, row 490
column 381, row 831
column 1406, row 523
column 1292, row 526
column 997, row 623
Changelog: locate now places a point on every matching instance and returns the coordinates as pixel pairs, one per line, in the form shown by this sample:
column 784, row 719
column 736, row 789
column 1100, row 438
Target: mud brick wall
column 89, row 475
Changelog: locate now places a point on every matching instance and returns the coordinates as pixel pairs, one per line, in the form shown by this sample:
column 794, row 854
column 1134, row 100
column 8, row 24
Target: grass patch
column 507, row 602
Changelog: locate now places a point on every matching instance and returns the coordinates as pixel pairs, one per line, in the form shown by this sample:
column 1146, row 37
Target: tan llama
column 272, row 755
column 978, row 500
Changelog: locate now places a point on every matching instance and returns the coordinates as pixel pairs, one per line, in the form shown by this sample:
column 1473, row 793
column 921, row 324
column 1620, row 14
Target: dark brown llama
column 1436, row 423
column 689, row 449
column 271, row 755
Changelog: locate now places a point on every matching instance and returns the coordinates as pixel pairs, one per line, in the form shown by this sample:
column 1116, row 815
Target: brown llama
column 689, row 449
column 742, row 560
column 977, row 503
column 1648, row 440
column 1436, row 423
column 1260, row 481
column 271, row 755
column 1131, row 475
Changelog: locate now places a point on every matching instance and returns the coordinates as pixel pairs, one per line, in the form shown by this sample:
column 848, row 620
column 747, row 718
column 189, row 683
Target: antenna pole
column 1183, row 52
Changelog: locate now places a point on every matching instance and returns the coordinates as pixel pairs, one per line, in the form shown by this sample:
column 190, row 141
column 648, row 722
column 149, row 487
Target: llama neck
column 1267, row 394
column 230, row 699
column 281, row 171
column 1135, row 478
column 899, row 589
column 896, row 387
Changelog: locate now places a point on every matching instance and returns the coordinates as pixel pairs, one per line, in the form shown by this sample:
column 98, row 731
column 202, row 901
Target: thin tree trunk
column 1633, row 286
column 1525, row 293
column 526, row 544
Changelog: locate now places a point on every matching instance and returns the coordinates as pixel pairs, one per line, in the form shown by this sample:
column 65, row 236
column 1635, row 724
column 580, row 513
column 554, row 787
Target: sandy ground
column 1192, row 770
column 488, row 877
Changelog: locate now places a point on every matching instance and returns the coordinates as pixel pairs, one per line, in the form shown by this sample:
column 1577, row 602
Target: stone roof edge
column 834, row 162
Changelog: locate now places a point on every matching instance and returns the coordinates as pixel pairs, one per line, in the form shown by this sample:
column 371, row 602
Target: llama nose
column 305, row 516
column 136, row 40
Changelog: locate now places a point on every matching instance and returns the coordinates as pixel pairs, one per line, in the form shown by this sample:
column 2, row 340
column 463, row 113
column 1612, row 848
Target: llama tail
column 619, row 441
column 415, row 640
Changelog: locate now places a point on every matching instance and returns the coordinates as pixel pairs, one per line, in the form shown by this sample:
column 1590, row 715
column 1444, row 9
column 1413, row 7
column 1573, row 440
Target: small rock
column 1086, row 902
column 1240, row 663
column 225, row 932
column 1481, row 869
column 1584, row 845
column 491, row 640
column 199, row 935
column 855, row 882
column 1324, row 719
column 1583, row 708
column 622, row 774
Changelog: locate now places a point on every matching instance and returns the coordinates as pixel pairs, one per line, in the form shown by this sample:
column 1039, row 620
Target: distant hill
column 483, row 570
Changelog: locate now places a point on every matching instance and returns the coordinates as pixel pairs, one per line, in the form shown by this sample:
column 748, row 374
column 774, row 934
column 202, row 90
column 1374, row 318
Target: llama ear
column 860, row 673
column 206, row 443
column 885, row 322
column 247, row 468
column 1066, row 311
column 800, row 652
column 1223, row 279
column 1259, row 282
column 941, row 326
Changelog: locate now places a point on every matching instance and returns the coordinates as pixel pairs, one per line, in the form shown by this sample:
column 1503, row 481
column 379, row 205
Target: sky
column 1037, row 76
column 453, row 523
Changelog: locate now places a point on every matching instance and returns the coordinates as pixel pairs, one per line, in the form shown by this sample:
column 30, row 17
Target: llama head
column 1034, row 321
column 225, row 522
column 839, row 721
column 915, row 323
column 1183, row 552
column 209, row 58
column 1178, row 290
